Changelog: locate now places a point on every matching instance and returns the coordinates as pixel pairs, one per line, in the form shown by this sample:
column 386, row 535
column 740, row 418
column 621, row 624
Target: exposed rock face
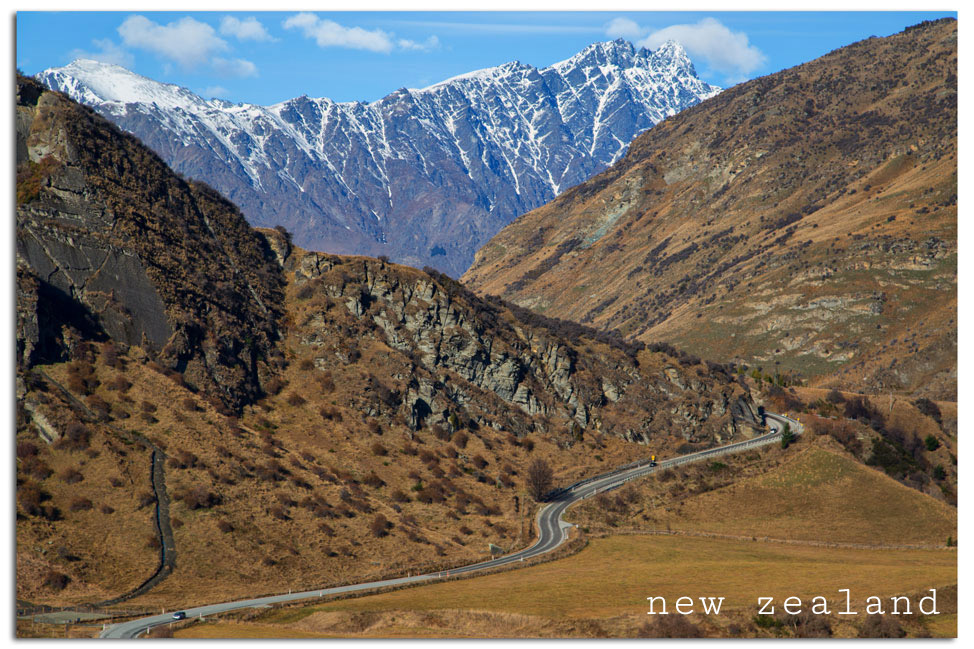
column 424, row 176
column 804, row 221
column 481, row 359
column 111, row 244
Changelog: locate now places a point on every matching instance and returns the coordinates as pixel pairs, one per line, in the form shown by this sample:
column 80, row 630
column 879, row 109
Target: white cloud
column 249, row 29
column 717, row 46
column 328, row 33
column 503, row 28
column 216, row 91
column 624, row 28
column 108, row 52
column 188, row 42
column 428, row 45
column 234, row 67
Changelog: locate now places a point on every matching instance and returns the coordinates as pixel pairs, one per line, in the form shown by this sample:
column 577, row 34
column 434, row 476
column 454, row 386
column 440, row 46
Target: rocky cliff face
column 804, row 221
column 112, row 245
column 425, row 176
column 460, row 356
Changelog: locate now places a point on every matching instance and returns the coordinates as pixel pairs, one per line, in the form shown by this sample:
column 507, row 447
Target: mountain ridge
column 803, row 222
column 424, row 176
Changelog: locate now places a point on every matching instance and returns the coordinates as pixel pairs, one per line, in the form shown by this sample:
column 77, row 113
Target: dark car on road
column 179, row 615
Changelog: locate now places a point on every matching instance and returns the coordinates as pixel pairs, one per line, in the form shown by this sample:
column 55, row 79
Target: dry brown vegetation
column 601, row 592
column 803, row 221
column 814, row 491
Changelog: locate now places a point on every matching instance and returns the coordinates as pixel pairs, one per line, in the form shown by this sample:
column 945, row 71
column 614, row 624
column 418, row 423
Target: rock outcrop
column 112, row 245
column 482, row 359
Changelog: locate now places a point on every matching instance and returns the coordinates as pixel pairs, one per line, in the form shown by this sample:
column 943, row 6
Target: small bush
column 330, row 414
column 295, row 400
column 26, row 450
column 120, row 384
column 326, row 529
column 274, row 385
column 56, row 580
column 70, row 475
column 379, row 526
column 199, row 497
column 379, row 450
column 36, row 468
column 76, row 437
column 373, row 480
column 30, row 496
column 224, row 526
column 881, row 626
column 81, row 504
column 399, row 496
column 326, row 382
column 278, row 512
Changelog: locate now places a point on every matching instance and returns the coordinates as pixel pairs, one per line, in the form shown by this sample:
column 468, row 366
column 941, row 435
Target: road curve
column 552, row 532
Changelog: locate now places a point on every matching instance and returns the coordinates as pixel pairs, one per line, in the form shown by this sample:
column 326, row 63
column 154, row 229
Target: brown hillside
column 803, row 221
column 299, row 419
column 111, row 244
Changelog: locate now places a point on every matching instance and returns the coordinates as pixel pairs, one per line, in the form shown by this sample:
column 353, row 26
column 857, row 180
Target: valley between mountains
column 209, row 411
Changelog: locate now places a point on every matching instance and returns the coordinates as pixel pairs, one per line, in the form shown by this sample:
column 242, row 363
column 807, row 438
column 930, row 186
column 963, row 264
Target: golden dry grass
column 820, row 495
column 613, row 577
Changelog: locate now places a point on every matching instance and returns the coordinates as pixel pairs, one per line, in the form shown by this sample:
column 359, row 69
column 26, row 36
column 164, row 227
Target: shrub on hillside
column 929, row 408
column 70, row 475
column 881, row 626
column 76, row 437
column 81, row 504
column 56, row 580
column 199, row 497
column 379, row 526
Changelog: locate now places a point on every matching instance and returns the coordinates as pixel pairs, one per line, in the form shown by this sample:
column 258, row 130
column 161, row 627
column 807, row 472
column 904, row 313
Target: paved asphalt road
column 552, row 532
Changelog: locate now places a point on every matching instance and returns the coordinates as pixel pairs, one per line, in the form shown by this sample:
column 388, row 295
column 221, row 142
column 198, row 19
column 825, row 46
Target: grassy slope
column 812, row 492
column 817, row 494
column 613, row 576
column 680, row 241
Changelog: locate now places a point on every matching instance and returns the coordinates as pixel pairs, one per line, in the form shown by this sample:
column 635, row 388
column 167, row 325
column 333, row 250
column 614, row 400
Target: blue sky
column 267, row 57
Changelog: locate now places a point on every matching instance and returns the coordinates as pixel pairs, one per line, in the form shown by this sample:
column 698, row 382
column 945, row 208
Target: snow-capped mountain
column 425, row 176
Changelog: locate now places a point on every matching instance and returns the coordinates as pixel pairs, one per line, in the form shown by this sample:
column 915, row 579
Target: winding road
column 552, row 532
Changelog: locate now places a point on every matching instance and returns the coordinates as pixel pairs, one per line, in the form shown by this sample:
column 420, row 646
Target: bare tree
column 540, row 479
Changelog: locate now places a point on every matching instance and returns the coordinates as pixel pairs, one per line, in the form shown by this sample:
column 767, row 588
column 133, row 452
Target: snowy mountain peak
column 425, row 176
column 96, row 82
column 671, row 49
